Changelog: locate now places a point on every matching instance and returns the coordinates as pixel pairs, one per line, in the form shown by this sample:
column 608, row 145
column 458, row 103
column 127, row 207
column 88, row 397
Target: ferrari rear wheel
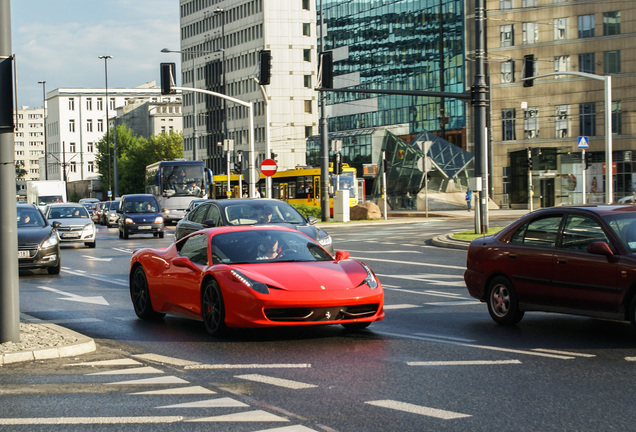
column 212, row 308
column 503, row 304
column 140, row 296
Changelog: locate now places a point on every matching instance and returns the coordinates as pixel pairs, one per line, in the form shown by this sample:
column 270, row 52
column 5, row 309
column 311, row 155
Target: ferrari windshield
column 260, row 246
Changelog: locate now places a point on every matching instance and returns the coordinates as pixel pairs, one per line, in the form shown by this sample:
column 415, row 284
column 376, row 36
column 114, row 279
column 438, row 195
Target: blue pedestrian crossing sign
column 583, row 142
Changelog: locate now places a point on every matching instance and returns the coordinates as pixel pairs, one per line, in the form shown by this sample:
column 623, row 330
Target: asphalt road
column 437, row 361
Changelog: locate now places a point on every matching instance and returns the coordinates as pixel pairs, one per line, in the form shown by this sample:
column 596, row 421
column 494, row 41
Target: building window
column 100, row 125
column 508, row 124
column 529, row 68
column 89, row 104
column 530, row 33
column 72, row 147
column 586, row 26
column 308, row 108
column 617, row 123
column 89, row 147
column 111, row 104
column 506, row 35
column 587, row 119
column 305, row 4
column 90, row 167
column 528, row 3
column 73, row 167
column 531, row 123
column 611, row 23
column 307, row 55
column 307, row 81
column 308, row 131
column 71, row 104
column 560, row 28
column 306, row 29
column 611, row 62
column 100, row 104
column 89, row 125
column 586, row 63
column 508, row 71
column 505, row 4
column 71, row 125
column 561, row 64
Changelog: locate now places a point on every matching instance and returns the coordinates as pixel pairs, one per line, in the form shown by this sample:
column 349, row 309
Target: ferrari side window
column 196, row 248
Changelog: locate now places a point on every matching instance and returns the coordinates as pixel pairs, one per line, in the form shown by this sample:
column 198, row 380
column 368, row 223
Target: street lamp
column 221, row 11
column 105, row 58
column 46, row 156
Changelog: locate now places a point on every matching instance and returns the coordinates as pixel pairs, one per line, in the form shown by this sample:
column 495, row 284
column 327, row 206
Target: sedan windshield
column 252, row 213
column 30, row 218
column 261, row 246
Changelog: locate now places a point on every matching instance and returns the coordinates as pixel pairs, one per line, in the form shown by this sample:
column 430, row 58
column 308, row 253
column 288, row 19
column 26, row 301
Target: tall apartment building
column 77, row 120
column 29, row 145
column 220, row 45
column 546, row 118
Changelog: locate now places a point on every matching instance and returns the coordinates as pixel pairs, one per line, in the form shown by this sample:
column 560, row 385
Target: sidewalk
column 40, row 340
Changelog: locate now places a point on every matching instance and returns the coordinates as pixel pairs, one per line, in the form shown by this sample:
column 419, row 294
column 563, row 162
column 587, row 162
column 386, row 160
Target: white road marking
column 115, row 362
column 414, row 263
column 563, row 352
column 418, row 409
column 295, row 428
column 630, row 358
column 249, row 416
column 400, row 306
column 124, row 250
column 192, row 390
column 454, row 303
column 463, row 363
column 251, row 366
column 92, row 258
column 294, row 385
column 444, row 337
column 432, row 279
column 89, row 420
column 427, row 292
column 486, row 347
column 98, row 300
column 225, row 402
column 130, row 371
column 165, row 359
column 152, row 381
column 96, row 277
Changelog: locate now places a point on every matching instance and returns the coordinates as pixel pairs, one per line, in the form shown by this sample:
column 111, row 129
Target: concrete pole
column 9, row 276
column 324, row 134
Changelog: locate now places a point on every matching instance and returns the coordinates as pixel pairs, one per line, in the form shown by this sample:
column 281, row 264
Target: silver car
column 76, row 225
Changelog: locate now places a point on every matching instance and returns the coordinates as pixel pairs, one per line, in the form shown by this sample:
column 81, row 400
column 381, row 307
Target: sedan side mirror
column 56, row 224
column 208, row 223
column 312, row 220
column 600, row 248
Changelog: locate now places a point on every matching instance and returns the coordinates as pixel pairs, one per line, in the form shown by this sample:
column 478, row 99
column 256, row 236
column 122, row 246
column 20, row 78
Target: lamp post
column 46, row 156
column 221, row 11
column 105, row 58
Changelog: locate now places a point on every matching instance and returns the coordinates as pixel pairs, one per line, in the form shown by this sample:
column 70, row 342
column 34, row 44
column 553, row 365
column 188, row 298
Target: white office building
column 227, row 36
column 29, row 145
column 77, row 120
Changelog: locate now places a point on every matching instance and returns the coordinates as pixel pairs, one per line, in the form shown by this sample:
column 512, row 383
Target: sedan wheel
column 140, row 295
column 503, row 304
column 212, row 308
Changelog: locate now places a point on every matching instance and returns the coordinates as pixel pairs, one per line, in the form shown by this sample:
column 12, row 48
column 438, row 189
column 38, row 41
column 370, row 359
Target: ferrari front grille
column 337, row 313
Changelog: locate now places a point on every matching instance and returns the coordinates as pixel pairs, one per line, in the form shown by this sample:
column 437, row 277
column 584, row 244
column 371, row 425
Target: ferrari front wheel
column 212, row 308
column 140, row 295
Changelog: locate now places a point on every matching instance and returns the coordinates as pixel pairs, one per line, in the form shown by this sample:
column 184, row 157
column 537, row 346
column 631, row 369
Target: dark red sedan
column 575, row 260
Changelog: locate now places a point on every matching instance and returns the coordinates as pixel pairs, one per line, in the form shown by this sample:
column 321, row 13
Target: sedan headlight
column 158, row 220
column 370, row 280
column 259, row 287
column 89, row 229
column 325, row 241
column 128, row 221
column 50, row 241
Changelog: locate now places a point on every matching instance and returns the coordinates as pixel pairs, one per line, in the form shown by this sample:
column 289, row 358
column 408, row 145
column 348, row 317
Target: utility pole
column 9, row 276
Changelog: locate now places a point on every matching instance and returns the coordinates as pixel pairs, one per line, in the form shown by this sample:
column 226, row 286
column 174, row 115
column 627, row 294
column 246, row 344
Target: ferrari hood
column 320, row 276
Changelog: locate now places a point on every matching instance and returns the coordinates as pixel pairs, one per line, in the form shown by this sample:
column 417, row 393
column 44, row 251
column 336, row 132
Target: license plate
column 70, row 235
column 144, row 227
column 24, row 254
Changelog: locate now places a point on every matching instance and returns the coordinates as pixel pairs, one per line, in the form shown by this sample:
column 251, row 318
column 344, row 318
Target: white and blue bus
column 175, row 184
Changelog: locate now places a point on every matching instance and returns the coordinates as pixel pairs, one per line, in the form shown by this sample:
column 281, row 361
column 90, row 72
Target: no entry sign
column 269, row 167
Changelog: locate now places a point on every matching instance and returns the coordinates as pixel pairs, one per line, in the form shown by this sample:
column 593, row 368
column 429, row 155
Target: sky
column 59, row 41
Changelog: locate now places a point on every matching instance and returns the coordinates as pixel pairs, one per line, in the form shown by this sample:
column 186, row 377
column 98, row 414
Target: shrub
column 306, row 210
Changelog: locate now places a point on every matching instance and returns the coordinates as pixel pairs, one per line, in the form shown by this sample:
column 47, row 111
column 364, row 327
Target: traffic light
column 265, row 67
column 530, row 163
column 325, row 70
column 238, row 167
column 168, row 71
column 337, row 163
column 528, row 70
column 588, row 161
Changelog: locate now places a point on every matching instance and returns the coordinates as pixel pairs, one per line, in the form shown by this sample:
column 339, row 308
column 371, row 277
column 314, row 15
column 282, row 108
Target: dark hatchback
column 38, row 244
column 251, row 211
column 139, row 214
column 574, row 260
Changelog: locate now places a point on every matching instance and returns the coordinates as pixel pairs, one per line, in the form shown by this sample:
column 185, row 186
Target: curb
column 447, row 241
column 81, row 345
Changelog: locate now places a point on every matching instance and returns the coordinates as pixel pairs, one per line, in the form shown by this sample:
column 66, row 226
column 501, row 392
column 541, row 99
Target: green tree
column 20, row 172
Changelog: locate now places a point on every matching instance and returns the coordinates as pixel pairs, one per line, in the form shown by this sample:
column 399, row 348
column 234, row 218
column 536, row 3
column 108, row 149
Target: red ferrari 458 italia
column 254, row 276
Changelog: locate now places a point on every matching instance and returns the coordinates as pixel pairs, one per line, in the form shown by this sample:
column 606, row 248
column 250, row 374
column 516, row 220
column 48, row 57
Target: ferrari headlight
column 50, row 241
column 370, row 280
column 259, row 287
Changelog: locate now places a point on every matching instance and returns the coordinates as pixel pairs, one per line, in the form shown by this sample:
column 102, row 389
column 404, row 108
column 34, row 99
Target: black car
column 250, row 211
column 139, row 214
column 38, row 244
